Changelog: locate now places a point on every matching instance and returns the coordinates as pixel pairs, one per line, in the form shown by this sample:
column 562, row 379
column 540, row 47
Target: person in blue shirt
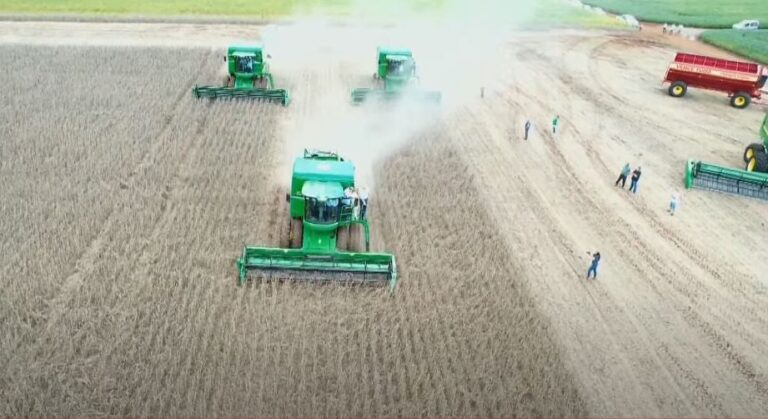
column 593, row 267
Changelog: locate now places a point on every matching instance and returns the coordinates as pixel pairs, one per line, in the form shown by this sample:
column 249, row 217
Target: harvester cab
column 396, row 77
column 328, row 220
column 248, row 76
column 753, row 181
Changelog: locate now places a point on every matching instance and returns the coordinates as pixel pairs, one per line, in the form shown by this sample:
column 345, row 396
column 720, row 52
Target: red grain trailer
column 742, row 81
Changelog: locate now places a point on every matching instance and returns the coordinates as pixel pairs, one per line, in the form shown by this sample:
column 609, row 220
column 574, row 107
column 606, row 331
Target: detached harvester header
column 395, row 78
column 327, row 221
column 753, row 181
column 248, row 77
column 742, row 81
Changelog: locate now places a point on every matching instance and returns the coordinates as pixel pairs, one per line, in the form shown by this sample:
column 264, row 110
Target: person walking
column 623, row 176
column 555, row 124
column 673, row 204
column 593, row 266
column 635, row 178
column 527, row 129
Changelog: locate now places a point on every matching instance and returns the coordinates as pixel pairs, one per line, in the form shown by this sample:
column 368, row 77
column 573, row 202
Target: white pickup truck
column 747, row 25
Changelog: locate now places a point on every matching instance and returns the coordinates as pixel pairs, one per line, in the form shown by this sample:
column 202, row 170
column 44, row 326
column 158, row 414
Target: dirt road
column 139, row 315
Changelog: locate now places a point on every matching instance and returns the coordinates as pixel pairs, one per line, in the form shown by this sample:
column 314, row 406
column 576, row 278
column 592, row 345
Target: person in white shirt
column 363, row 194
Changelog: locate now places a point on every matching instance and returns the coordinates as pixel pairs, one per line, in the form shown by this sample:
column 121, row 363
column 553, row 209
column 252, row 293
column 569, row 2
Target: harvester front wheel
column 678, row 89
column 296, row 233
column 751, row 164
column 740, row 100
column 342, row 239
column 356, row 239
column 761, row 162
column 751, row 149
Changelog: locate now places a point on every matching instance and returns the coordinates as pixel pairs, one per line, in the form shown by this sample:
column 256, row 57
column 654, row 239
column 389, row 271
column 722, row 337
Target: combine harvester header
column 742, row 81
column 752, row 182
column 326, row 219
column 248, row 77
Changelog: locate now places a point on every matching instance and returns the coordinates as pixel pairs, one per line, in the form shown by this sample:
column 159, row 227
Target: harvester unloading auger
column 248, row 77
column 327, row 223
column 753, row 181
column 395, row 78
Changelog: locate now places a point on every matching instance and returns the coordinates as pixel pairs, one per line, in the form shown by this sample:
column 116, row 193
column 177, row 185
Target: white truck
column 747, row 25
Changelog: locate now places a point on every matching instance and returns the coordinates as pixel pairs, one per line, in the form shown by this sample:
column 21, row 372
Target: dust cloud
column 457, row 48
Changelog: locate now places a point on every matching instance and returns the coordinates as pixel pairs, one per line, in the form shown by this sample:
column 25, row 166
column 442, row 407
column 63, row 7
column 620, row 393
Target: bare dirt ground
column 130, row 201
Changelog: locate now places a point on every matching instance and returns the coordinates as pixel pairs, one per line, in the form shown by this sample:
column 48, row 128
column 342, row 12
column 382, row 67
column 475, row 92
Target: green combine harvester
column 325, row 230
column 396, row 78
column 248, row 77
column 752, row 182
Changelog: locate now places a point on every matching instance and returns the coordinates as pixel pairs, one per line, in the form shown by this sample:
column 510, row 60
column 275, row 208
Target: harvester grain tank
column 396, row 77
column 248, row 76
column 328, row 231
column 751, row 182
column 742, row 81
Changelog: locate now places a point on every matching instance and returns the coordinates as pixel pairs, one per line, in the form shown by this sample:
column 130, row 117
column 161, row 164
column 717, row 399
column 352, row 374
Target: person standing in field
column 593, row 266
column 673, row 204
column 623, row 176
column 635, row 178
column 527, row 129
column 555, row 124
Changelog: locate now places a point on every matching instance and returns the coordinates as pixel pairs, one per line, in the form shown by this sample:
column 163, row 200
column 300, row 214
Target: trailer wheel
column 761, row 162
column 740, row 100
column 678, row 89
column 751, row 150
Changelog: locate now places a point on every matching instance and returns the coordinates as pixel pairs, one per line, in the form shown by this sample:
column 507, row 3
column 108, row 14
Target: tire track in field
column 688, row 248
column 693, row 318
column 530, row 198
column 692, row 252
column 566, row 176
column 478, row 155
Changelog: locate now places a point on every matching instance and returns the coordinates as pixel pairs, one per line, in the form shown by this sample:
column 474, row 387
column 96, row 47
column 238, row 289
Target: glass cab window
column 400, row 67
column 244, row 64
column 320, row 211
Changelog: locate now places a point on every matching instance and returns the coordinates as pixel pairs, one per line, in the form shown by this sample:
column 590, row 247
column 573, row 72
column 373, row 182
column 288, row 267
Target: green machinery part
column 724, row 179
column 396, row 77
column 276, row 95
column 249, row 77
column 322, row 215
column 318, row 267
column 364, row 94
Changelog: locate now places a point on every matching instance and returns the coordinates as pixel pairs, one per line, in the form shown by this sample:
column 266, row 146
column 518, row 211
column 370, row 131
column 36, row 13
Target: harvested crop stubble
column 481, row 345
column 126, row 212
column 76, row 126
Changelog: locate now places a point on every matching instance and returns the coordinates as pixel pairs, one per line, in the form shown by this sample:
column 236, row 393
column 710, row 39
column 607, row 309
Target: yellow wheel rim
column 740, row 101
column 751, row 164
column 678, row 90
column 750, row 153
